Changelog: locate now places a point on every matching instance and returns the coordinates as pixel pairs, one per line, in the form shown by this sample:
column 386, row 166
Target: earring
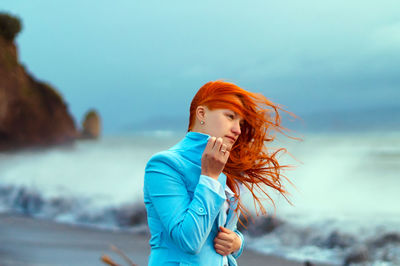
column 202, row 122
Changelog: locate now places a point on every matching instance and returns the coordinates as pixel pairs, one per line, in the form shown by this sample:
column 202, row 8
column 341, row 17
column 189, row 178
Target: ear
column 201, row 112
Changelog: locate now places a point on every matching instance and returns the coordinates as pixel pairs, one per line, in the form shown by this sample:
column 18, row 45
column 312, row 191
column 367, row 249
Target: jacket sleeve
column 188, row 222
column 238, row 252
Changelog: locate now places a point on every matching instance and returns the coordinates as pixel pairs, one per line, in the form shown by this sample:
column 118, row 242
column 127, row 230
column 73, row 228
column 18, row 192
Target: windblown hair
column 250, row 161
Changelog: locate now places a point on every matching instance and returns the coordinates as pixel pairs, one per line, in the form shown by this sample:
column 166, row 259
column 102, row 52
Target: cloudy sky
column 142, row 61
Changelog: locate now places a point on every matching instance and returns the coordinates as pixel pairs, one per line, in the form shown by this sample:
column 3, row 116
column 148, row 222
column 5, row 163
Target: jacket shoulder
column 164, row 161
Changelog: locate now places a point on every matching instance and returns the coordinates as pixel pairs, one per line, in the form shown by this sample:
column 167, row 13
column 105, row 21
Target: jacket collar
column 192, row 146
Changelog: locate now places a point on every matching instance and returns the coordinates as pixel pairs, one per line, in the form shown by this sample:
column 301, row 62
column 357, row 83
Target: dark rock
column 27, row 202
column 308, row 263
column 337, row 239
column 357, row 255
column 32, row 113
column 261, row 225
column 386, row 239
column 91, row 125
column 10, row 26
column 130, row 215
column 5, row 192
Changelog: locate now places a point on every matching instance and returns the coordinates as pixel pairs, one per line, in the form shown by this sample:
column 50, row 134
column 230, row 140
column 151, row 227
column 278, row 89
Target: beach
column 28, row 241
column 100, row 183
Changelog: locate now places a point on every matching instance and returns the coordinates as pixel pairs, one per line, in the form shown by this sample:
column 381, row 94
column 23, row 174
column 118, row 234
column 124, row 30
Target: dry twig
column 110, row 262
column 115, row 249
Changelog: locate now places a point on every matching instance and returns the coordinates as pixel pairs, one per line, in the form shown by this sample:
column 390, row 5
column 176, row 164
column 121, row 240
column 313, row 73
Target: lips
column 232, row 138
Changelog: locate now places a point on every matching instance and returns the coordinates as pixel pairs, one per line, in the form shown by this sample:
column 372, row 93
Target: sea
column 343, row 204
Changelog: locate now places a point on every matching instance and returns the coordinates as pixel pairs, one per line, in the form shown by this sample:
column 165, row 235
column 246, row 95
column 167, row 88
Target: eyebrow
column 236, row 114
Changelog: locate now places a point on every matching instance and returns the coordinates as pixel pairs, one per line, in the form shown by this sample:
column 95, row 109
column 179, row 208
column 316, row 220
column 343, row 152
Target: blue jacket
column 184, row 210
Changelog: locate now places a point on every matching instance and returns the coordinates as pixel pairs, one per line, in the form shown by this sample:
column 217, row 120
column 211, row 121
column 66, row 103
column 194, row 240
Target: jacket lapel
column 220, row 216
column 233, row 217
column 230, row 219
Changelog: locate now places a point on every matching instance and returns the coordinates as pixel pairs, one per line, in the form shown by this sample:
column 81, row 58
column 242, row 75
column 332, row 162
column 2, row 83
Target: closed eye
column 230, row 116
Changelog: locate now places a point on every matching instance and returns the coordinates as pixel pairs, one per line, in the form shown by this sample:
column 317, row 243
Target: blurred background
column 89, row 90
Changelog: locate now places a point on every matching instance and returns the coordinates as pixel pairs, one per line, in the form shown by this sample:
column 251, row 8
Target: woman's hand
column 226, row 242
column 214, row 158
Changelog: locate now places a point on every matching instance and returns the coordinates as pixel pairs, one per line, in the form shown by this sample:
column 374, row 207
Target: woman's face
column 223, row 123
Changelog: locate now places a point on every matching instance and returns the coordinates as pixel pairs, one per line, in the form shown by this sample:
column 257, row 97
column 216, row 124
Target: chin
column 229, row 144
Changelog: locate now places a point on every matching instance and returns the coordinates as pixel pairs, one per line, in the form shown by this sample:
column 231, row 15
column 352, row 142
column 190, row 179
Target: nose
column 236, row 128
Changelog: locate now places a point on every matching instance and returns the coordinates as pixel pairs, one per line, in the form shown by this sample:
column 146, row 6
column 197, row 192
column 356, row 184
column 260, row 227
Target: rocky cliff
column 32, row 113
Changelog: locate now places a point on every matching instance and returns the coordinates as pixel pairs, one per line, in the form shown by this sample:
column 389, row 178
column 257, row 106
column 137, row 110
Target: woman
column 192, row 190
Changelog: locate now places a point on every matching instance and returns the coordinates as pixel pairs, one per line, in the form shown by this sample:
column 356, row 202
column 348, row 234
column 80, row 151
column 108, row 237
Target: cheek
column 216, row 127
column 222, row 126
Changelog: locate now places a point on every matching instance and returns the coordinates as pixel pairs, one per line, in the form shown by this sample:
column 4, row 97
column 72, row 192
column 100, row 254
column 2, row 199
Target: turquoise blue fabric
column 184, row 211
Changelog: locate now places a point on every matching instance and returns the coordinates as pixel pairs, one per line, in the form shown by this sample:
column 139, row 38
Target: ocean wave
column 321, row 241
column 325, row 242
column 73, row 210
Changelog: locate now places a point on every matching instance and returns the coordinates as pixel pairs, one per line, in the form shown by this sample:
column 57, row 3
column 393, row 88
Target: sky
column 140, row 63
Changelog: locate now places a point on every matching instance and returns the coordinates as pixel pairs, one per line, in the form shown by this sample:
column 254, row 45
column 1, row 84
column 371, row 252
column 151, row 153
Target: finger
column 227, row 245
column 220, row 240
column 226, row 155
column 223, row 244
column 228, row 237
column 222, row 249
column 224, row 236
column 217, row 146
column 228, row 147
column 221, row 252
column 223, row 148
column 224, row 229
column 219, row 246
column 210, row 143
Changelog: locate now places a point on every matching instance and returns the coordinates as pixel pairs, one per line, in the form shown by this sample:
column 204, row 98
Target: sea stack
column 91, row 125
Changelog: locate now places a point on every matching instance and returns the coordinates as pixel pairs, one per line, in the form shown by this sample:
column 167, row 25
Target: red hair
column 250, row 161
